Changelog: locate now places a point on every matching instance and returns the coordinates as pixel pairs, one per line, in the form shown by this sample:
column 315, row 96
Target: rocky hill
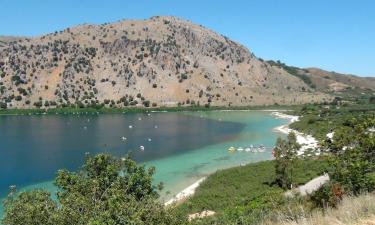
column 329, row 82
column 161, row 61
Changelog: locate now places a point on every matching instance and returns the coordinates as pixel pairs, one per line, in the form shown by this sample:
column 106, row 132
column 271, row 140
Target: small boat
column 156, row 126
column 139, row 118
column 247, row 149
column 123, row 138
column 149, row 139
column 130, row 126
column 142, row 148
column 240, row 149
column 232, row 149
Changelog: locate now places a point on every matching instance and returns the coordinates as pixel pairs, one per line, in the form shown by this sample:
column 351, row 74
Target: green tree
column 285, row 153
column 107, row 190
column 353, row 158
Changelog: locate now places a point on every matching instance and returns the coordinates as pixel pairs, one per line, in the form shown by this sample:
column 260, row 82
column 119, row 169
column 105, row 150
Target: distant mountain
column 328, row 82
column 161, row 61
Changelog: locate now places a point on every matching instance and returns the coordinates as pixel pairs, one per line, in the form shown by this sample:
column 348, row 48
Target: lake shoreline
column 306, row 141
column 93, row 111
column 302, row 139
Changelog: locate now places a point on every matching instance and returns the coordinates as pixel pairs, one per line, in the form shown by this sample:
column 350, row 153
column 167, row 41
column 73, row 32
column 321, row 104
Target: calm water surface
column 183, row 146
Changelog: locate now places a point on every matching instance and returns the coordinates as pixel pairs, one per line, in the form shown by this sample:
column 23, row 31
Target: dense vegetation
column 106, row 190
column 243, row 195
column 318, row 120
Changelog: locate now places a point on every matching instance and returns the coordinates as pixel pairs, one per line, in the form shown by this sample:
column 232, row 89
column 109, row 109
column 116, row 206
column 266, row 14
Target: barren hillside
column 161, row 61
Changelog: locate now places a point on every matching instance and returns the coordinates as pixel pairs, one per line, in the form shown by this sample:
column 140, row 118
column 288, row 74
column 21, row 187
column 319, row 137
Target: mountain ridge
column 161, row 61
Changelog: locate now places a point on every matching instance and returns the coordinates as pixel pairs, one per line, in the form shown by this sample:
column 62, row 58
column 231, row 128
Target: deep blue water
column 33, row 148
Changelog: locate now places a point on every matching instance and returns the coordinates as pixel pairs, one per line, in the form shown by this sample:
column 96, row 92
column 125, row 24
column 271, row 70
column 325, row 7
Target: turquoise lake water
column 183, row 146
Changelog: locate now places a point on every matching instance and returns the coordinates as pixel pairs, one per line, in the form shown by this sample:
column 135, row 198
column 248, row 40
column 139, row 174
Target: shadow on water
column 182, row 146
column 33, row 148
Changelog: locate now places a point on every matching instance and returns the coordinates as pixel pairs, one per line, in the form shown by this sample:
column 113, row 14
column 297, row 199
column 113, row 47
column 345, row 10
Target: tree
column 3, row 105
column 353, row 158
column 107, row 190
column 285, row 153
column 352, row 161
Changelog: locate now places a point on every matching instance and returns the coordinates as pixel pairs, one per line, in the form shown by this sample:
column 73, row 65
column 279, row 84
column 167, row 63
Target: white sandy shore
column 189, row 191
column 306, row 141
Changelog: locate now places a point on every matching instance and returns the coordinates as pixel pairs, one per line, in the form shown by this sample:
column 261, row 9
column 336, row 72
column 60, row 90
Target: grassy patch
column 246, row 186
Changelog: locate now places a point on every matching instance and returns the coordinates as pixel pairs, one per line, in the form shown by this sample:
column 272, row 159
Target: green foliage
column 353, row 158
column 318, row 120
column 3, row 105
column 295, row 71
column 106, row 190
column 33, row 208
column 285, row 154
column 244, row 194
column 326, row 196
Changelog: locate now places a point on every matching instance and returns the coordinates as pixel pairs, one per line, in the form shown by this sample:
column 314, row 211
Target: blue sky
column 334, row 35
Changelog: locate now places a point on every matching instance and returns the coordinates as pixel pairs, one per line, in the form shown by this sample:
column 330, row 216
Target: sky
column 336, row 35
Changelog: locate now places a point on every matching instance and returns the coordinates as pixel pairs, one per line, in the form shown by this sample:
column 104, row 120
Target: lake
column 183, row 146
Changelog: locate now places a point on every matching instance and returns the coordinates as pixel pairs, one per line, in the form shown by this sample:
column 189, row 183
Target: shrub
column 3, row 105
column 285, row 153
column 107, row 190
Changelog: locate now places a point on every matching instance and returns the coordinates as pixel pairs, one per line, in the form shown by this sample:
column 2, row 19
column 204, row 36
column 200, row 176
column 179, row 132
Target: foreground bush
column 107, row 190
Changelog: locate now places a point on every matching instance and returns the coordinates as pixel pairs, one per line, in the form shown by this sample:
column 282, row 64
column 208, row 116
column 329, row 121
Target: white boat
column 247, row 149
column 142, row 148
column 240, row 149
column 231, row 149
column 149, row 139
column 130, row 126
column 261, row 148
column 123, row 138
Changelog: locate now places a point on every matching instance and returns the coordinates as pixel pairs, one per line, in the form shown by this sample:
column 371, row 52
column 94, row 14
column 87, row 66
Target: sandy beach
column 306, row 141
column 189, row 191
